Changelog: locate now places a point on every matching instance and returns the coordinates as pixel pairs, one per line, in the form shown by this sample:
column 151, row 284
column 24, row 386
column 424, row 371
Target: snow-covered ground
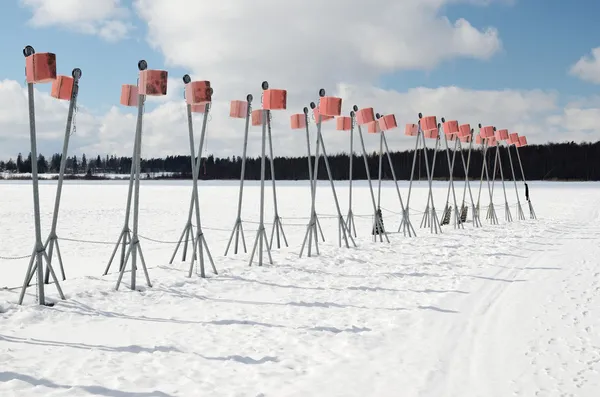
column 507, row 310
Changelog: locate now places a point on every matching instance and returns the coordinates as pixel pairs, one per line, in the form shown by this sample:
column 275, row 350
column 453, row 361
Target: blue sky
column 541, row 41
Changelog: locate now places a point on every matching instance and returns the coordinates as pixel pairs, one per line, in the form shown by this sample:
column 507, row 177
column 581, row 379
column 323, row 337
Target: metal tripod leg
column 430, row 218
column 261, row 235
column 466, row 167
column 406, row 224
column 410, row 228
column 457, row 220
column 277, row 226
column 531, row 211
column 507, row 213
column 350, row 218
column 520, row 213
column 377, row 221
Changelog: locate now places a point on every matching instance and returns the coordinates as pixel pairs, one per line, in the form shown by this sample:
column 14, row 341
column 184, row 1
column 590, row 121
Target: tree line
column 552, row 161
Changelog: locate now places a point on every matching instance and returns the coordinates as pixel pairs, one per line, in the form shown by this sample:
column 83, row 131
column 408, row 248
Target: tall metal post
column 52, row 240
column 350, row 218
column 520, row 213
column 457, row 220
column 343, row 231
column 134, row 243
column 39, row 252
column 238, row 228
column 406, row 223
column 430, row 218
column 491, row 213
column 507, row 214
column 277, row 226
column 391, row 164
column 466, row 167
column 377, row 221
column 310, row 174
column 532, row 214
column 261, row 234
column 311, row 227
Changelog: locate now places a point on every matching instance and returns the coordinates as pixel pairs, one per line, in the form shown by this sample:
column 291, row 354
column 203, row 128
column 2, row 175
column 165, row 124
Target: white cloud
column 343, row 46
column 104, row 18
column 587, row 67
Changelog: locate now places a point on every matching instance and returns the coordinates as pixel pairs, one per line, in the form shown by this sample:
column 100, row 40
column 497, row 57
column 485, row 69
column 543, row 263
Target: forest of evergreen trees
column 553, row 161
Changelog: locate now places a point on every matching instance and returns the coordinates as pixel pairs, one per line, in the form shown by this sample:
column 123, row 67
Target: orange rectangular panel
column 479, row 139
column 344, row 123
column 198, row 92
column 373, row 127
column 428, row 123
column 323, row 117
column 257, row 117
column 365, row 116
column 464, row 130
column 153, row 82
column 487, row 132
column 452, row 137
column 40, row 67
column 492, row 141
column 129, row 95
column 238, row 109
column 502, row 135
column 522, row 141
column 199, row 108
column 465, row 138
column 274, row 99
column 411, row 130
column 513, row 138
column 432, row 134
column 330, row 106
column 62, row 88
column 451, row 127
column 388, row 122
column 298, row 121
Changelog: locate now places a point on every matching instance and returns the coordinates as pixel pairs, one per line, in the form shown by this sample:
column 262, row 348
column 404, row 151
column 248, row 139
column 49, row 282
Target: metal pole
column 431, row 212
column 520, row 213
column 310, row 174
column 406, row 224
column 134, row 245
column 491, row 211
column 532, row 214
column 52, row 237
column 350, row 219
column 389, row 157
column 376, row 214
column 345, row 232
column 238, row 228
column 457, row 220
column 466, row 167
column 507, row 214
column 200, row 241
column 277, row 226
column 261, row 236
column 311, row 228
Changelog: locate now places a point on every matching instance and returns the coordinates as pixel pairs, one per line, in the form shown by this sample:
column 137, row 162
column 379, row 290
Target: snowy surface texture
column 506, row 310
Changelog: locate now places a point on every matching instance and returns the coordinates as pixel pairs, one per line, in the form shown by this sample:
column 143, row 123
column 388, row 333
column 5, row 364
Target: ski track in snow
column 507, row 310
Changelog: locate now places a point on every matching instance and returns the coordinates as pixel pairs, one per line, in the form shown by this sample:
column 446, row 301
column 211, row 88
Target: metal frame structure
column 430, row 217
column 311, row 229
column 39, row 251
column 491, row 212
column 447, row 210
column 498, row 164
column 350, row 217
column 520, row 213
column 405, row 223
column 261, row 235
column 523, row 142
column 466, row 167
column 238, row 228
column 377, row 219
column 386, row 148
column 134, row 242
column 277, row 225
column 198, row 241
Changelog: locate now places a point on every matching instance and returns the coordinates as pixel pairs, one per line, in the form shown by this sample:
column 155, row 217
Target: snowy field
column 507, row 310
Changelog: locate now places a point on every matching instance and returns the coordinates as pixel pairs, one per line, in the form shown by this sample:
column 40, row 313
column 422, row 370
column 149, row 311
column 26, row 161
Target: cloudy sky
column 532, row 66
